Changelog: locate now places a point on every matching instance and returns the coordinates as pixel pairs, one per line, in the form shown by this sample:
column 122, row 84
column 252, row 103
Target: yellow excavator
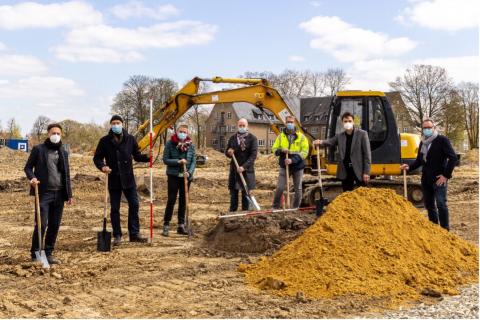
column 371, row 109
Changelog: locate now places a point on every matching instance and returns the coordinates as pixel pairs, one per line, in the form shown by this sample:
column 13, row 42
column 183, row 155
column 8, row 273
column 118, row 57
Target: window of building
column 272, row 117
column 216, row 115
column 261, row 143
column 324, row 131
column 271, row 142
column 314, row 129
column 229, row 115
column 227, row 128
column 317, row 118
column 306, row 118
column 233, row 128
column 405, row 129
column 270, row 130
column 214, row 142
column 212, row 129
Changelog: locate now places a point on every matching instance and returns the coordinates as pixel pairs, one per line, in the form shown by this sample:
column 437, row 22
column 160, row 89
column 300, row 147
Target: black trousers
column 435, row 200
column 176, row 186
column 234, row 200
column 51, row 210
column 351, row 181
column 133, row 206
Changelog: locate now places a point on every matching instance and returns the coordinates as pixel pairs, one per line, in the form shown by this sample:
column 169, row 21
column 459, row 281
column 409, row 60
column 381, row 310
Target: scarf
column 181, row 145
column 426, row 142
column 241, row 137
column 56, row 146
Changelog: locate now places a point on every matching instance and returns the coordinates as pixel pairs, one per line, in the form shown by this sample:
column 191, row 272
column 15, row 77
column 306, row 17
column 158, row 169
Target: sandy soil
column 173, row 277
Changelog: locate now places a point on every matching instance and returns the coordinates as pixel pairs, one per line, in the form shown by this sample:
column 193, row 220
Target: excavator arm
column 257, row 92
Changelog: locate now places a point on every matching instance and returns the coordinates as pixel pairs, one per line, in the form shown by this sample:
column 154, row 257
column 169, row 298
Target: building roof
column 251, row 113
column 315, row 106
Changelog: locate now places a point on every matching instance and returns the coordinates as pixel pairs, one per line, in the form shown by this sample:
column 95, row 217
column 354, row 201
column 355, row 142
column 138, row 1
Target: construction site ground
column 175, row 276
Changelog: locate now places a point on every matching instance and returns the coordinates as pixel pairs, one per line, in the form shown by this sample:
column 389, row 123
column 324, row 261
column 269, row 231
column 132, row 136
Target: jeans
column 297, row 185
column 51, row 210
column 234, row 200
column 133, row 206
column 176, row 185
column 433, row 194
column 351, row 181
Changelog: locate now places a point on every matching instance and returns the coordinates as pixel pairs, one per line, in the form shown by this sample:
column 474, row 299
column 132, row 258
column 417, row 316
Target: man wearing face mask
column 244, row 146
column 438, row 159
column 113, row 156
column 292, row 142
column 354, row 152
column 49, row 168
column 179, row 150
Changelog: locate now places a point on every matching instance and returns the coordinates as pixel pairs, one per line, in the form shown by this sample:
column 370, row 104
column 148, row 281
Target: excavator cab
column 373, row 113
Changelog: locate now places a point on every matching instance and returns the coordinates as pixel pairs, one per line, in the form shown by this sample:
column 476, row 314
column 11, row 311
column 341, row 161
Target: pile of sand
column 370, row 242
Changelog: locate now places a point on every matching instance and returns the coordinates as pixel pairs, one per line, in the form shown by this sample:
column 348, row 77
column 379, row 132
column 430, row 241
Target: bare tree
column 335, row 80
column 424, row 88
column 13, row 129
column 318, row 83
column 468, row 94
column 39, row 128
column 453, row 118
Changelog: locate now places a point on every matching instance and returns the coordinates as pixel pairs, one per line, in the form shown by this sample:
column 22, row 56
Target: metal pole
column 151, row 171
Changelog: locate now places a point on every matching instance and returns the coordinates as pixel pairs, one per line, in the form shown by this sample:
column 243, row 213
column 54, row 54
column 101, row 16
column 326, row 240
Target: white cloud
column 36, row 15
column 136, row 9
column 446, row 15
column 20, row 65
column 102, row 43
column 376, row 74
column 296, row 58
column 40, row 89
column 348, row 43
column 315, row 3
column 465, row 68
column 2, row 46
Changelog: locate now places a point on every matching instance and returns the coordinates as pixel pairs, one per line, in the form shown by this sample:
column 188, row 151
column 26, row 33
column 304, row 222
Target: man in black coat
column 438, row 159
column 49, row 168
column 113, row 156
column 244, row 146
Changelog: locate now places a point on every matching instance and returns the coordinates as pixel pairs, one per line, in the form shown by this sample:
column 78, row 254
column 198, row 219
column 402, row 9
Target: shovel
column 287, row 172
column 40, row 253
column 405, row 193
column 250, row 198
column 104, row 237
column 322, row 202
column 187, row 210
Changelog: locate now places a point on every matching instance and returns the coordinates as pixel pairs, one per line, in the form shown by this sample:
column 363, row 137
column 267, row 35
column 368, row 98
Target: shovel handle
column 405, row 193
column 187, row 211
column 242, row 178
column 106, row 200
column 287, row 172
column 38, row 218
column 318, row 167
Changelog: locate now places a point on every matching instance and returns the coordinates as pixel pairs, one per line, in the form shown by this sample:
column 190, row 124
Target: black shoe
column 165, row 231
column 52, row 260
column 181, row 229
column 138, row 238
column 117, row 240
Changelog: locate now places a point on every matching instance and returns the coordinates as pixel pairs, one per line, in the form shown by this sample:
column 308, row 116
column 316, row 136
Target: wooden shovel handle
column 287, row 172
column 106, row 197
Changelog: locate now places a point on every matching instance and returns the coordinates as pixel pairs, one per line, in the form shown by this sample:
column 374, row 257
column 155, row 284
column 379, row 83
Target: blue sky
column 68, row 59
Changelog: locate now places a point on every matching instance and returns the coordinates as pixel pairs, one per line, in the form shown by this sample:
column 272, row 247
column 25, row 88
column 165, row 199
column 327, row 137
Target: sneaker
column 117, row 240
column 138, row 238
column 181, row 229
column 166, row 228
column 53, row 260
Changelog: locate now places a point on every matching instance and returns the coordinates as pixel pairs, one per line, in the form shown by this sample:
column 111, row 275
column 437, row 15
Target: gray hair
column 428, row 120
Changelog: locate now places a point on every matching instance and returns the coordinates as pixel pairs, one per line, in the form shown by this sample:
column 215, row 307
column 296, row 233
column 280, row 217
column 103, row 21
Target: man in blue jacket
column 438, row 159
column 113, row 156
column 49, row 168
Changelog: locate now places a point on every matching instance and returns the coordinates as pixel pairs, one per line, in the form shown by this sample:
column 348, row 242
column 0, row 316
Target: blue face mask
column 427, row 132
column 182, row 135
column 242, row 130
column 290, row 126
column 117, row 128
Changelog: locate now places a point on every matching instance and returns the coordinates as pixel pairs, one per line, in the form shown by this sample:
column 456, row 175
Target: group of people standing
column 48, row 169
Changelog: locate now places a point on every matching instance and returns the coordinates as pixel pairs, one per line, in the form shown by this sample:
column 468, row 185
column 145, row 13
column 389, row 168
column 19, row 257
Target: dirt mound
column 372, row 243
column 215, row 158
column 258, row 234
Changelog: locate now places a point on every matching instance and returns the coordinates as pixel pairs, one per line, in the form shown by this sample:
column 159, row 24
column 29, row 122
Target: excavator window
column 377, row 124
column 355, row 107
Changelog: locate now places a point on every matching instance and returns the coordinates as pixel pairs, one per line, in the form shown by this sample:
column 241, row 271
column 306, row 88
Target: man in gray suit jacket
column 354, row 153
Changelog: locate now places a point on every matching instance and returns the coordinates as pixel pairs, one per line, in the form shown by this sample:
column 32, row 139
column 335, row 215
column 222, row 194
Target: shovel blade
column 320, row 205
column 254, row 204
column 104, row 241
column 41, row 257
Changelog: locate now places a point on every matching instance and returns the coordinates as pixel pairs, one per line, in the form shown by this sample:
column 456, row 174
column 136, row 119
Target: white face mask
column 348, row 126
column 55, row 138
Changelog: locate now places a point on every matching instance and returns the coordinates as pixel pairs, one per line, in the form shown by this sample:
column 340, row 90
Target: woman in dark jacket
column 244, row 146
column 179, row 150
